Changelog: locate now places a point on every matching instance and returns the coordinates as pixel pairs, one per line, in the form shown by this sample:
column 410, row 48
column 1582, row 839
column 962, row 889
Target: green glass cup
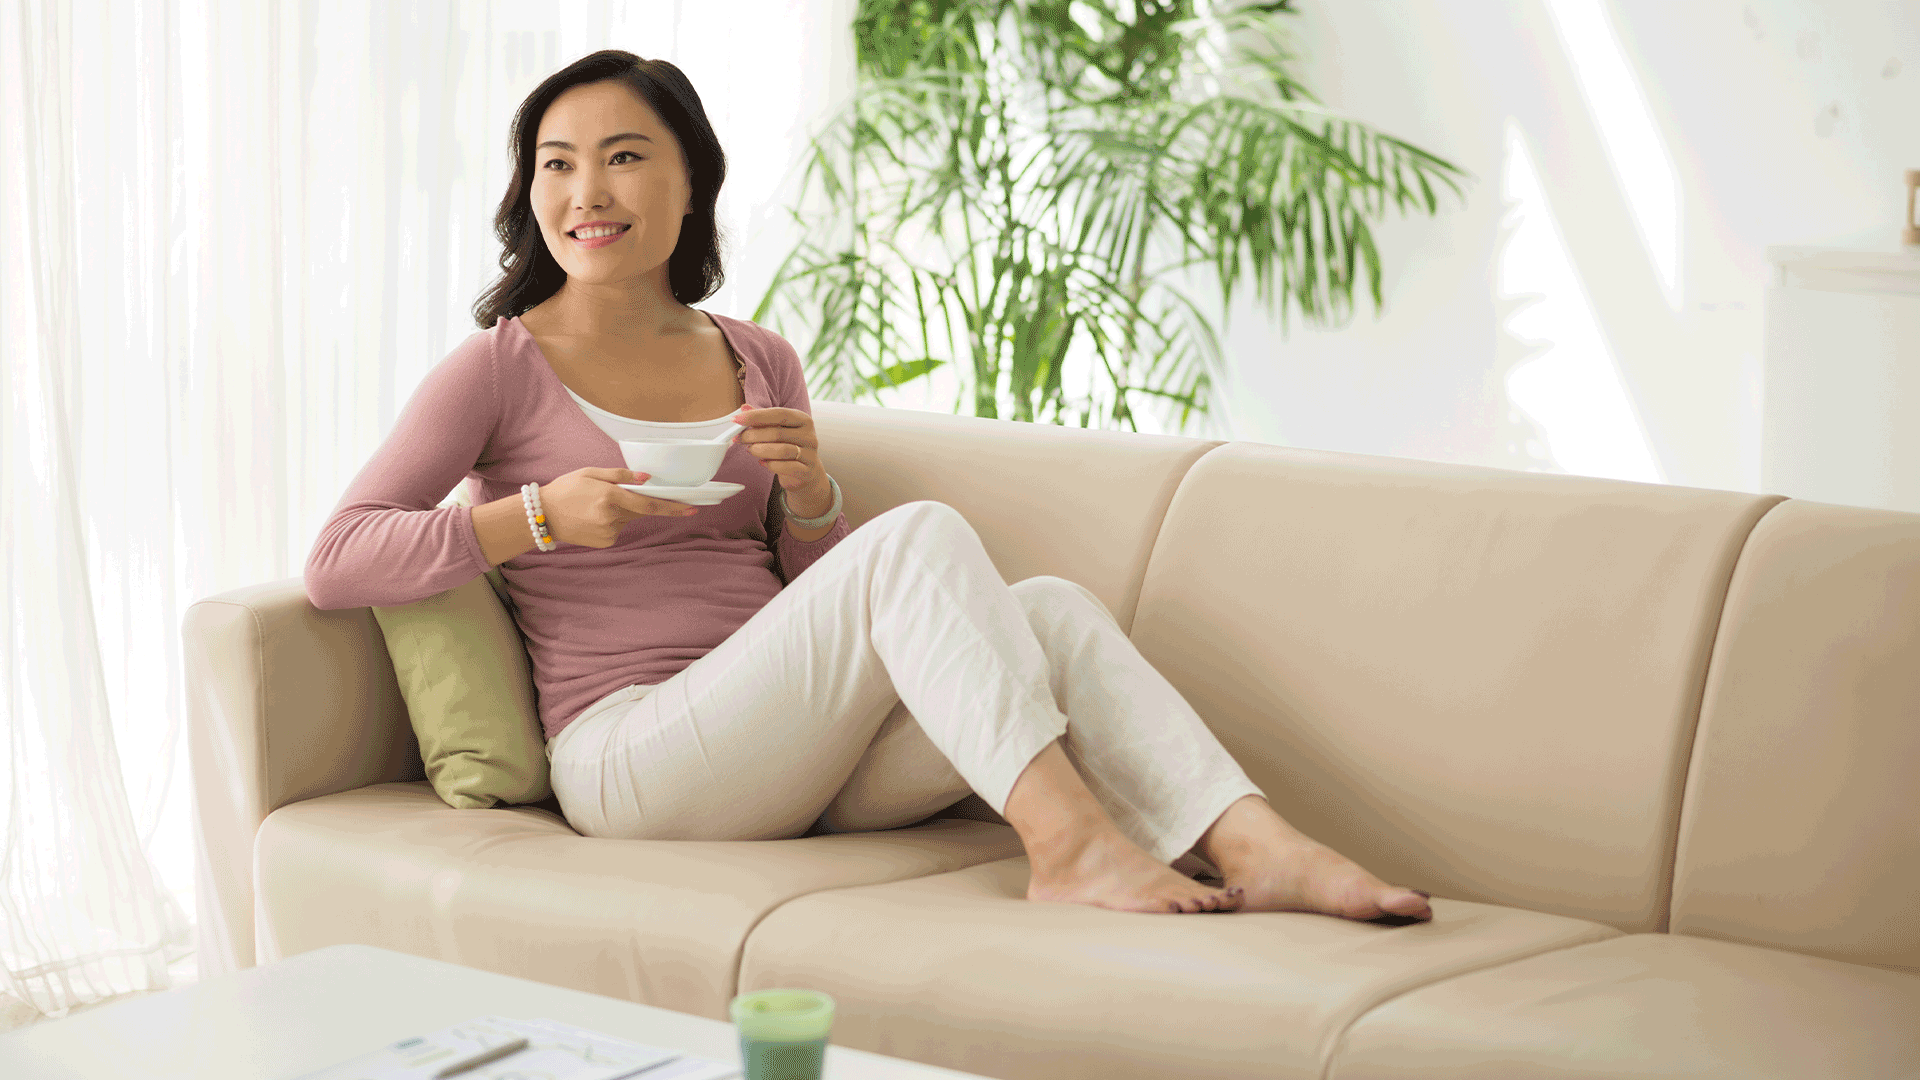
column 783, row 1033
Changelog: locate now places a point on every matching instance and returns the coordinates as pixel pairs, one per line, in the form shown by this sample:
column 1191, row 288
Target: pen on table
column 481, row 1057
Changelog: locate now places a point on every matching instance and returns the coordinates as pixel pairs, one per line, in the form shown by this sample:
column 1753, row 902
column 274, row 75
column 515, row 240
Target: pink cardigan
column 595, row 619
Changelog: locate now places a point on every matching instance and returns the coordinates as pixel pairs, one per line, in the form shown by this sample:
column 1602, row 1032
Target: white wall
column 1648, row 141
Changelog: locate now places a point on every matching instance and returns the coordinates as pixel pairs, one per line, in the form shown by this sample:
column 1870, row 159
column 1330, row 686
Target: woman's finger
column 799, row 470
column 798, row 434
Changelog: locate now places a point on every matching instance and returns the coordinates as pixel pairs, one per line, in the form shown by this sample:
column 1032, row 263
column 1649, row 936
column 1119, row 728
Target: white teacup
column 674, row 462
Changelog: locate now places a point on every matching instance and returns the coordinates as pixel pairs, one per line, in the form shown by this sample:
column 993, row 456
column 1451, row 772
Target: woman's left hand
column 784, row 441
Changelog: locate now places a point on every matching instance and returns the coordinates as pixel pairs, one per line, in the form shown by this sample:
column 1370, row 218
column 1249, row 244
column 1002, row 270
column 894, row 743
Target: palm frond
column 960, row 232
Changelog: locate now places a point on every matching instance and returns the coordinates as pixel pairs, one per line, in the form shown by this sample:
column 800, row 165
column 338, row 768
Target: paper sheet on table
column 554, row 1051
column 682, row 1067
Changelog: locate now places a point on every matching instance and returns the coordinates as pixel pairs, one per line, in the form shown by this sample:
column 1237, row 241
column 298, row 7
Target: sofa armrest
column 284, row 702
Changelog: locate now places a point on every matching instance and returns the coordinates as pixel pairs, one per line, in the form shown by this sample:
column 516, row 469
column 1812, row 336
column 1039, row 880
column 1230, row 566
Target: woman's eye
column 616, row 157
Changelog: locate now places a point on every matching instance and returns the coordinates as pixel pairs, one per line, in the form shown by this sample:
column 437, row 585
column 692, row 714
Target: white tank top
column 625, row 427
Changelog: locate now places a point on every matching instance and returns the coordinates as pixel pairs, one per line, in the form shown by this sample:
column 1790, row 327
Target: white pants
column 895, row 676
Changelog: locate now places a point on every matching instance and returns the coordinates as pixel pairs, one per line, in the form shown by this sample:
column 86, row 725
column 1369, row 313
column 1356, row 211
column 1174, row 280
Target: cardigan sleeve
column 388, row 542
column 790, row 389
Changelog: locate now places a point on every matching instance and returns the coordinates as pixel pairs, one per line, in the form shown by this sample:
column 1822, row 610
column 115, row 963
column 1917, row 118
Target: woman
column 694, row 684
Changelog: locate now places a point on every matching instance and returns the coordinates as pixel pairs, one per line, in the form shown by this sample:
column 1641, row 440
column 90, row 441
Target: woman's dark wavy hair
column 529, row 273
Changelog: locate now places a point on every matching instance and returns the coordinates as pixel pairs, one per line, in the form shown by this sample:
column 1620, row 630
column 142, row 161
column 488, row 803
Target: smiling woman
column 651, row 152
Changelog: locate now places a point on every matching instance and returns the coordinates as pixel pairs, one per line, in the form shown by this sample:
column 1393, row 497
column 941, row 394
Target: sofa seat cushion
column 513, row 889
column 1648, row 1005
column 960, row 970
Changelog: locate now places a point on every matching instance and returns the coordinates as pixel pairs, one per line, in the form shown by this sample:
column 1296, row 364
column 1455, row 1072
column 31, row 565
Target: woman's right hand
column 588, row 508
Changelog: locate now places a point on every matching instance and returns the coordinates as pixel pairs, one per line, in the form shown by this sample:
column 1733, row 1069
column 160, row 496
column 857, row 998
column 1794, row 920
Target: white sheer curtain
column 233, row 237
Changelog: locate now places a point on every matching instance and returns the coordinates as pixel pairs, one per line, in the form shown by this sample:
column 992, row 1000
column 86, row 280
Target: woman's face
column 604, row 173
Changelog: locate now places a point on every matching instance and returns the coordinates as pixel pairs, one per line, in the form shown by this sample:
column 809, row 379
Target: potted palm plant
column 1006, row 171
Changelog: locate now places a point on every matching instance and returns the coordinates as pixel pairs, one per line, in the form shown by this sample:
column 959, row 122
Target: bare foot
column 1303, row 875
column 1105, row 869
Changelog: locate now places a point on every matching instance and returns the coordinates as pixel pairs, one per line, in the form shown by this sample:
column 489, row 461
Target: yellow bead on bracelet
column 536, row 517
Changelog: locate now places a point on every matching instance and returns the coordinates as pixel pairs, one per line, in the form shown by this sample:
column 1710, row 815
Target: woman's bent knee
column 1042, row 584
column 923, row 514
column 920, row 509
column 1055, row 592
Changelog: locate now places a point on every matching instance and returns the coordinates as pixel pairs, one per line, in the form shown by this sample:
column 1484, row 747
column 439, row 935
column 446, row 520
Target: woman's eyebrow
column 604, row 143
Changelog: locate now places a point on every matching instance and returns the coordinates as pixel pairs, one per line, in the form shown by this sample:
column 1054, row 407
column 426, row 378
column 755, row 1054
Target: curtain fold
column 84, row 915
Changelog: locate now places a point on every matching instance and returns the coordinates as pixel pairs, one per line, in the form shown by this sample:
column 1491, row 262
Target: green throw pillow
column 464, row 672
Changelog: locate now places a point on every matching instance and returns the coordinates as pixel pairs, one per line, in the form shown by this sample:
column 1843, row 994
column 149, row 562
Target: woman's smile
column 598, row 241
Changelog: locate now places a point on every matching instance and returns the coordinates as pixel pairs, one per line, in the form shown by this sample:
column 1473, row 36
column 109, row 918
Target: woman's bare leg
column 1080, row 857
column 1280, row 869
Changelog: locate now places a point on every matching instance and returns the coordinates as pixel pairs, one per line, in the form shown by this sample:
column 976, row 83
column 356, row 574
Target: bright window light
column 1571, row 387
column 1625, row 124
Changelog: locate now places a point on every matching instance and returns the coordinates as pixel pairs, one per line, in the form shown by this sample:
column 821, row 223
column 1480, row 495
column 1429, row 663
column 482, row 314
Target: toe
column 1406, row 902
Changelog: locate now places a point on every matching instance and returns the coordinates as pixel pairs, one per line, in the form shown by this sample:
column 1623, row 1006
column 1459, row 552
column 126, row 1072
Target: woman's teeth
column 589, row 234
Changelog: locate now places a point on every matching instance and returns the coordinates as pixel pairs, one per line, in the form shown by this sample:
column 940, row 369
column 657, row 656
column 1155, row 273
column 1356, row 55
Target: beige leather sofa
column 1652, row 749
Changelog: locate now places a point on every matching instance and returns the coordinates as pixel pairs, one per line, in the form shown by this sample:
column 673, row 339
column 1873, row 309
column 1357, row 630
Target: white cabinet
column 1841, row 392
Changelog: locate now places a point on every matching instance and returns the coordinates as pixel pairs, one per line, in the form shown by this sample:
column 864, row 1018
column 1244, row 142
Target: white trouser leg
column 1144, row 753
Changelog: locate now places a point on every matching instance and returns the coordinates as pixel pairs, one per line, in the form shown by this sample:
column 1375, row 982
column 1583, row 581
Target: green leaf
column 1014, row 164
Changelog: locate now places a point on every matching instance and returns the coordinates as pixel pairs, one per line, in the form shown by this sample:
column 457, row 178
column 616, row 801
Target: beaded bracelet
column 536, row 518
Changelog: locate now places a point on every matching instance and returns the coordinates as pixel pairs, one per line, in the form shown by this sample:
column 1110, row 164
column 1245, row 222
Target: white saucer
column 706, row 494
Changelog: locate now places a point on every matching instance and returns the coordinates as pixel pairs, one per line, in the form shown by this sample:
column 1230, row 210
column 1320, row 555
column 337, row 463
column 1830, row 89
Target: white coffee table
column 309, row 1011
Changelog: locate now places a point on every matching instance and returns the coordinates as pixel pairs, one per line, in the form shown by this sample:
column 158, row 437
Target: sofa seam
column 740, row 953
column 1160, row 532
column 1670, row 870
column 1339, row 1042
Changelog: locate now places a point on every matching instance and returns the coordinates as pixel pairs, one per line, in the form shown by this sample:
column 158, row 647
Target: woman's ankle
column 1238, row 831
column 1051, row 808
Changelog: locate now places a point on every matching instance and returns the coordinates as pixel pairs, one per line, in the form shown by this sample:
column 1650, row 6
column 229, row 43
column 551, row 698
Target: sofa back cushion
column 1078, row 503
column 1478, row 682
column 1800, row 829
